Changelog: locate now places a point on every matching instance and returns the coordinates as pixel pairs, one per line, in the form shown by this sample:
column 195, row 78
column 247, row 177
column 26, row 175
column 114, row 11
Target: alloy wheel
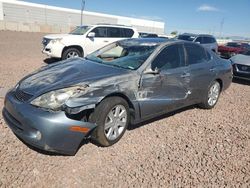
column 72, row 54
column 213, row 94
column 115, row 122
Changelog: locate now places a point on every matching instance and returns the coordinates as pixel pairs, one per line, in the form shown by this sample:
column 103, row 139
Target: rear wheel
column 212, row 96
column 112, row 118
column 71, row 53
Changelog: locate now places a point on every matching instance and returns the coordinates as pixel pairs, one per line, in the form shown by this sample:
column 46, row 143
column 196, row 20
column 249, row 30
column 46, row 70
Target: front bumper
column 53, row 50
column 240, row 74
column 46, row 130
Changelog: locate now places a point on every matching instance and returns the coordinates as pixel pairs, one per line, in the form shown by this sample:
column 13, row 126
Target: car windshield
column 124, row 54
column 81, row 30
column 186, row 37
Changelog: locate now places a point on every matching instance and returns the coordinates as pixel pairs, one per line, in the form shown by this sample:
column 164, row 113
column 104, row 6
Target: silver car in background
column 207, row 41
column 241, row 66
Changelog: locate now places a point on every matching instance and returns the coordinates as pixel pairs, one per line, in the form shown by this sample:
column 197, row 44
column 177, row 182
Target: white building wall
column 50, row 17
column 1, row 11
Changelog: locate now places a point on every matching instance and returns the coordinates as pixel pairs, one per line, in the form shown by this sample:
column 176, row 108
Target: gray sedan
column 124, row 83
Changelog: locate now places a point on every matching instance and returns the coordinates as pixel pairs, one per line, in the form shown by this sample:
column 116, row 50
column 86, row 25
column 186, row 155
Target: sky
column 218, row 17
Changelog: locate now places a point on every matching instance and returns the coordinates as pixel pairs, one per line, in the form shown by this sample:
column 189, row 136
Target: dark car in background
column 128, row 81
column 233, row 48
column 241, row 65
column 147, row 35
column 208, row 41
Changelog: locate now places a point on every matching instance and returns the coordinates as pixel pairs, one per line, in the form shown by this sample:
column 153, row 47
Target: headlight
column 56, row 40
column 55, row 99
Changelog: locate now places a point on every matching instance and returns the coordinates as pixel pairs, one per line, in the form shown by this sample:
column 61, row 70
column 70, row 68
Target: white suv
column 83, row 40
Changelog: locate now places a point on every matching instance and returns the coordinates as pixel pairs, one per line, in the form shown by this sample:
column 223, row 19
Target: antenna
column 82, row 8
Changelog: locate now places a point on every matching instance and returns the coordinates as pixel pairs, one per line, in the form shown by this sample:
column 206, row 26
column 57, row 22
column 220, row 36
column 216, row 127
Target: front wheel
column 112, row 118
column 71, row 53
column 212, row 96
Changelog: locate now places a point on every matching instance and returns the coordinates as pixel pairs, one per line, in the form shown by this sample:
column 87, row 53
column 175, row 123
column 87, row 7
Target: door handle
column 185, row 75
column 105, row 41
column 212, row 69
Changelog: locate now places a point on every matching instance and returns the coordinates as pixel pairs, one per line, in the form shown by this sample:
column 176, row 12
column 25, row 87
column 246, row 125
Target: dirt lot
column 193, row 148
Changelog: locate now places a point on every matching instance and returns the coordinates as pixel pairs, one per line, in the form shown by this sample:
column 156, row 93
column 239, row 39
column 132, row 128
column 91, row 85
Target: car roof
column 196, row 35
column 153, row 42
column 107, row 25
column 149, row 41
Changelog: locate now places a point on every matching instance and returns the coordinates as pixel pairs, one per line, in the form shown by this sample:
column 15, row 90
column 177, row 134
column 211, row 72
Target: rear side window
column 195, row 54
column 114, row 32
column 207, row 40
column 127, row 33
column 199, row 39
column 169, row 58
column 100, row 32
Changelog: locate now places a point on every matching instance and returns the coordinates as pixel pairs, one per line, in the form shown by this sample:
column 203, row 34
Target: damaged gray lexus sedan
column 124, row 83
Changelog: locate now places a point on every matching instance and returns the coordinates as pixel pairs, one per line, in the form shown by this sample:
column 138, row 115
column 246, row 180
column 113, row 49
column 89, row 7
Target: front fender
column 77, row 105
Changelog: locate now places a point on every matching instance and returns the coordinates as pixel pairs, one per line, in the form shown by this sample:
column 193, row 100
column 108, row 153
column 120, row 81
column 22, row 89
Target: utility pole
column 82, row 8
column 221, row 26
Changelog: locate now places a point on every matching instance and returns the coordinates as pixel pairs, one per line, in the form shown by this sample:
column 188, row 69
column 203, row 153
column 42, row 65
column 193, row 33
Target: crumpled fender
column 76, row 105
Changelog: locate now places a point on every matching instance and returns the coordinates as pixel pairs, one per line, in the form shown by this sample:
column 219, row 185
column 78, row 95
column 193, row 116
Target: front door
column 167, row 90
column 92, row 44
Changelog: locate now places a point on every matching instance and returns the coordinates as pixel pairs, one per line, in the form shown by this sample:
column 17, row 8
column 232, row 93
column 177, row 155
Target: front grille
column 244, row 68
column 22, row 96
column 45, row 41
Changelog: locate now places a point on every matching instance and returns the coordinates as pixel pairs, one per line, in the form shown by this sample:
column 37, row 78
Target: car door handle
column 185, row 75
column 212, row 69
column 105, row 41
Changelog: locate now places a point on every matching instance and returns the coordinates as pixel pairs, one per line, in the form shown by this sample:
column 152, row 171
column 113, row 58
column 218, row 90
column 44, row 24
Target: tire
column 109, row 110
column 71, row 53
column 212, row 96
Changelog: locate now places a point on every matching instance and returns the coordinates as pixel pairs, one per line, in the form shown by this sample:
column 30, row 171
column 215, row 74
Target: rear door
column 169, row 89
column 202, row 70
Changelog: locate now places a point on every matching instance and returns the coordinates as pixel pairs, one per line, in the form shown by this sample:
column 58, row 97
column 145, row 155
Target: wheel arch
column 122, row 95
column 126, row 98
column 220, row 82
column 78, row 47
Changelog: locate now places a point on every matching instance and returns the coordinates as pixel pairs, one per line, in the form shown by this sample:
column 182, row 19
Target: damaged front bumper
column 50, row 131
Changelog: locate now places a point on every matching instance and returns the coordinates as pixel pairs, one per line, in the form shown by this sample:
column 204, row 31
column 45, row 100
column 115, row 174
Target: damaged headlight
column 55, row 99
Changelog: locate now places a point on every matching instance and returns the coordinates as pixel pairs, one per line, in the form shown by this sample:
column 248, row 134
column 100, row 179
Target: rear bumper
column 46, row 130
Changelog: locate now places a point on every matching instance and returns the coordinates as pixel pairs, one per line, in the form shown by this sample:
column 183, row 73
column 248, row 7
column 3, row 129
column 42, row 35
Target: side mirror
column 197, row 42
column 91, row 35
column 151, row 71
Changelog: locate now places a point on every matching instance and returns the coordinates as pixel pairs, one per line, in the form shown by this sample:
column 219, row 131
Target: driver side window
column 169, row 58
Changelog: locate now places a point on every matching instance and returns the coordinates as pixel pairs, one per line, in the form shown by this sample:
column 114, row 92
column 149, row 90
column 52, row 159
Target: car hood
column 67, row 73
column 56, row 36
column 241, row 59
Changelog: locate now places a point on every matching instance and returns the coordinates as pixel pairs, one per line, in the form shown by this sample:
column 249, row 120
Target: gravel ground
column 190, row 148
